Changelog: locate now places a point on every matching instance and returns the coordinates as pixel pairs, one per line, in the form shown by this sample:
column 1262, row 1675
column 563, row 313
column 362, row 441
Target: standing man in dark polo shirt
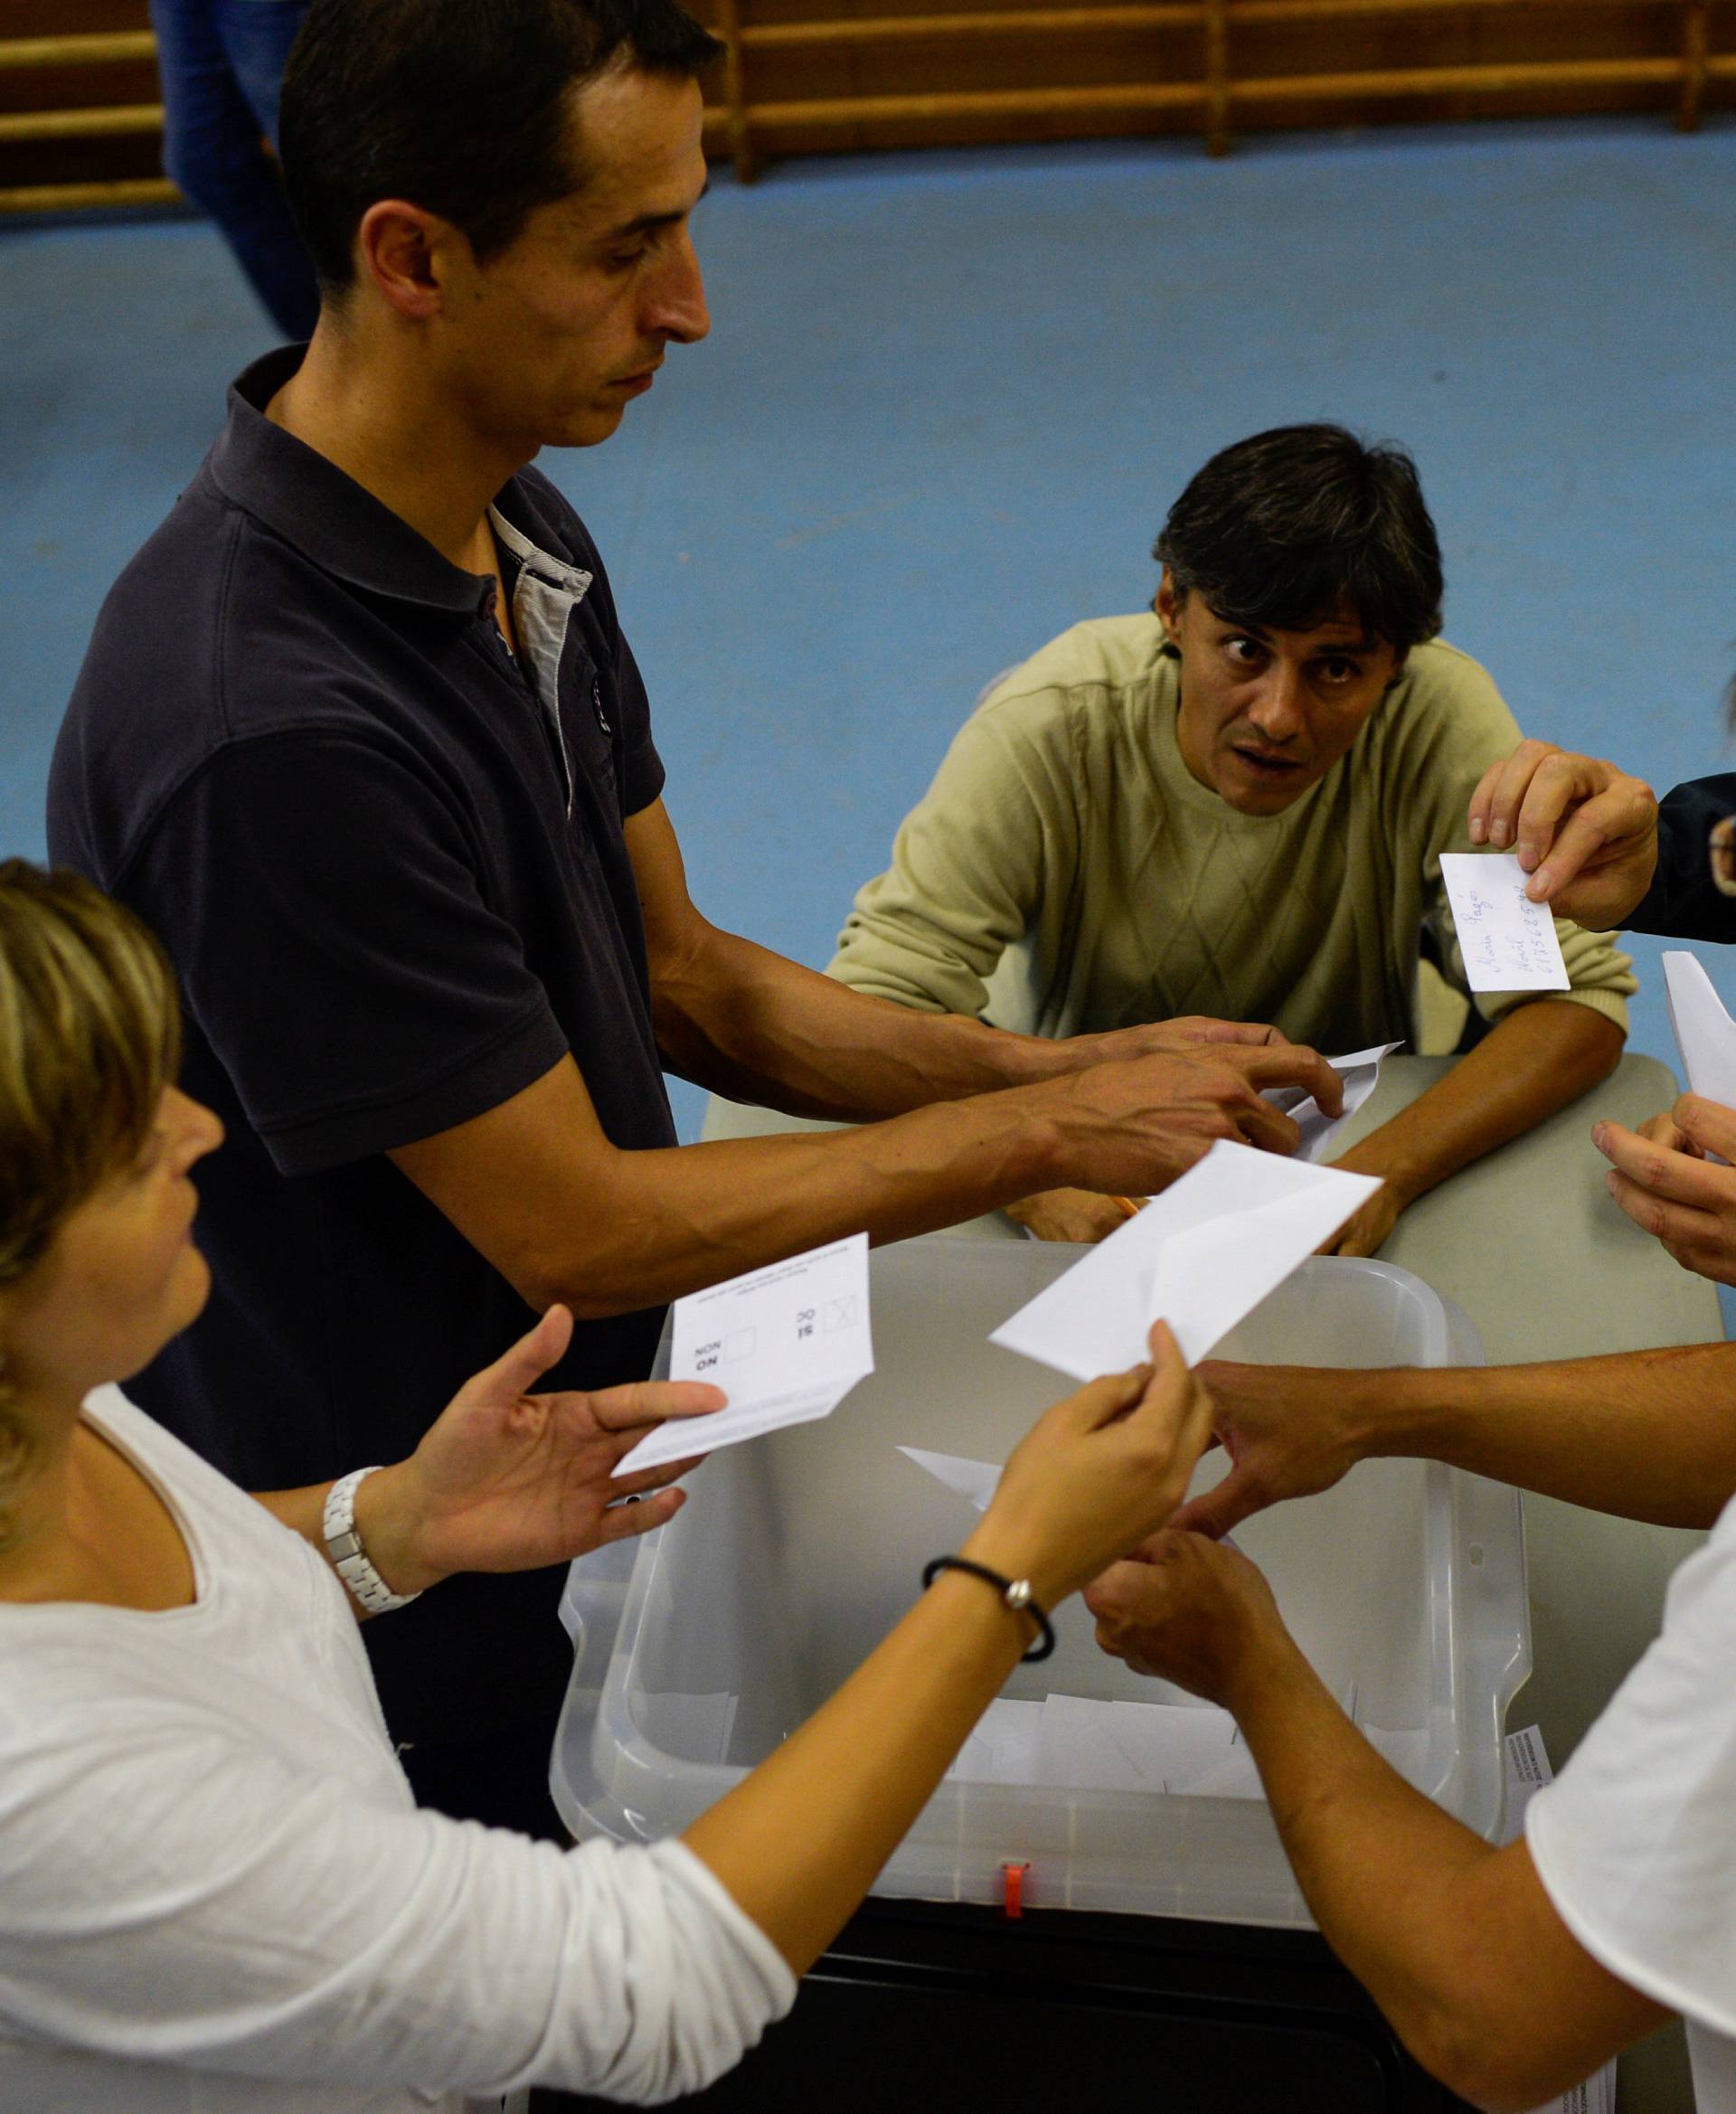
column 359, row 735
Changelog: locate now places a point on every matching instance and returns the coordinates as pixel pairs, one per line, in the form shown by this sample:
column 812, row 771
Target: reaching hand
column 1585, row 832
column 1161, row 1038
column 507, row 1480
column 1189, row 1610
column 1288, row 1434
column 1067, row 1214
column 1364, row 1231
column 1096, row 1475
column 1664, row 1182
column 1131, row 1128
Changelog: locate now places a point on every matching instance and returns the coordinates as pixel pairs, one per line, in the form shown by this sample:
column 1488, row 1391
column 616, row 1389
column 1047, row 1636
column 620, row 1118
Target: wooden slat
column 1306, row 11
column 1217, row 78
column 897, row 29
column 101, row 48
column 92, row 124
column 85, row 197
column 1696, row 37
column 730, row 28
column 1013, row 102
column 1479, row 80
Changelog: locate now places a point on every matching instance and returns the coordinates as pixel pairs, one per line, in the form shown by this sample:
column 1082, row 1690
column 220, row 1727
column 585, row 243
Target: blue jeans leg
column 222, row 63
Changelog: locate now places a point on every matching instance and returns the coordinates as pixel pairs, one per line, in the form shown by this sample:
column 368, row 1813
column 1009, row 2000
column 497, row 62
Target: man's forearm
column 666, row 1223
column 1645, row 1435
column 1454, row 1939
column 1531, row 1063
column 744, row 1021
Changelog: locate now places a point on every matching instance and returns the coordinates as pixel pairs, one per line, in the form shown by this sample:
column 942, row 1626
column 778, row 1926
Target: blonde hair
column 90, row 1036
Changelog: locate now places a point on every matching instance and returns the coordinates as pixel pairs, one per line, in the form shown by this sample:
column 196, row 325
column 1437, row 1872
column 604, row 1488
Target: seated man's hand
column 507, row 1480
column 1367, row 1228
column 1187, row 1610
column 1585, row 832
column 1664, row 1182
column 1067, row 1214
column 1288, row 1432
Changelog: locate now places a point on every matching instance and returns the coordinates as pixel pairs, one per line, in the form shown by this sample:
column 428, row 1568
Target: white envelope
column 974, row 1480
column 1361, row 1073
column 1199, row 1256
column 1705, row 1036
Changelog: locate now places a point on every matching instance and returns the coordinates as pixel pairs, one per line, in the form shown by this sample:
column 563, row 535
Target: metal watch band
column 344, row 1546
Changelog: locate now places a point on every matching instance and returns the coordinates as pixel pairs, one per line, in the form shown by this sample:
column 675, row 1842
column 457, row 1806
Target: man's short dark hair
column 1284, row 531
column 459, row 106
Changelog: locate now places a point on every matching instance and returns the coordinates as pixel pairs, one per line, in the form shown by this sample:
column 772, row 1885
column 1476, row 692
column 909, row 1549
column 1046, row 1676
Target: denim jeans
column 222, row 62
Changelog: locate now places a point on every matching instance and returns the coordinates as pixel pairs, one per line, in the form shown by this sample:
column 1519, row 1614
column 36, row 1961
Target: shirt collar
column 321, row 510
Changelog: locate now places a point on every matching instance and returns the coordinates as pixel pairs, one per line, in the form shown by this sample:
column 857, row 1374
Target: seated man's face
column 1265, row 714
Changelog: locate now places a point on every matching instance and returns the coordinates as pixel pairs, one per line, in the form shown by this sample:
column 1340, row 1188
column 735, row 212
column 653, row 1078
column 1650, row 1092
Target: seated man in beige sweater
column 1235, row 803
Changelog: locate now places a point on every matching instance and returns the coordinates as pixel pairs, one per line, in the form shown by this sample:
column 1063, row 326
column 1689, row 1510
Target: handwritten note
column 1508, row 941
column 786, row 1344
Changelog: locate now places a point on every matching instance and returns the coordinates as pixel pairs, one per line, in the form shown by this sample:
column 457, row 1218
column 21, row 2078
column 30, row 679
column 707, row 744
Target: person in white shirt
column 1515, row 1972
column 217, row 1895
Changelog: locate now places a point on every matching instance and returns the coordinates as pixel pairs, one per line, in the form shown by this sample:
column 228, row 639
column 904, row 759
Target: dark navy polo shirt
column 300, row 750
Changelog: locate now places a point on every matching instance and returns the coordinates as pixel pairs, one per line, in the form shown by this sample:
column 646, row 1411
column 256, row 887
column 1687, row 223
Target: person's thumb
column 518, row 1370
column 1215, row 1511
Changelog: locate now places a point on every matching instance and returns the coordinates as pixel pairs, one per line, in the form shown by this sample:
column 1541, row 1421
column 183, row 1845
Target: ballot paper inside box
column 698, row 1649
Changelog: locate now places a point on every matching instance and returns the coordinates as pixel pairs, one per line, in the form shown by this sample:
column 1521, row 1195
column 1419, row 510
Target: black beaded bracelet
column 1015, row 1594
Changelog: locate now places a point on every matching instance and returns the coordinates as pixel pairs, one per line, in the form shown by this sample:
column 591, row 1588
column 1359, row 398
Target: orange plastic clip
column 1013, row 1894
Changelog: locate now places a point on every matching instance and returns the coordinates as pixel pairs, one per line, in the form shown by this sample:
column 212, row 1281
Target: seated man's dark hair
column 1284, row 531
column 459, row 106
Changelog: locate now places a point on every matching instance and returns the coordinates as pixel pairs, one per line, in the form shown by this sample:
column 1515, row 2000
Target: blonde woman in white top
column 216, row 1892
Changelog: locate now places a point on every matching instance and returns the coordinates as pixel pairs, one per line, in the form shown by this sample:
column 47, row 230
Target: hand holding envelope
column 1199, row 1256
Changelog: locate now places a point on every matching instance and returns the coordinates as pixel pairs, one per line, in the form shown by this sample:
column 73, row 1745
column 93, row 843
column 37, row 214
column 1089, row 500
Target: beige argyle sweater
column 1066, row 874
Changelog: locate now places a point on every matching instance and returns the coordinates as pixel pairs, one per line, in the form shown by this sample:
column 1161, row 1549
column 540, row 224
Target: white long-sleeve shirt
column 217, row 1895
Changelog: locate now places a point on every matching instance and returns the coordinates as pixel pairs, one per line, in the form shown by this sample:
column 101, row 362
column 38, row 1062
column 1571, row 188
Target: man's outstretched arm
column 1645, row 1435
column 536, row 1186
column 1457, row 1941
column 745, row 1021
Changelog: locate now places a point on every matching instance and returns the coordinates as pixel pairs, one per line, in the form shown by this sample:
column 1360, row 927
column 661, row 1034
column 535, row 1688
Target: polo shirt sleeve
column 332, row 944
column 642, row 774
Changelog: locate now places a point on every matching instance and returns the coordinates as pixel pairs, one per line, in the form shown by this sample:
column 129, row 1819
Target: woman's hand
column 1099, row 1474
column 1189, row 1610
column 507, row 1480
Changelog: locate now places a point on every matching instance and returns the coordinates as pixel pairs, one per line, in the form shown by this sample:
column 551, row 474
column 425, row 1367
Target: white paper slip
column 1361, row 1073
column 1508, row 942
column 974, row 1480
column 786, row 1344
column 1705, row 1036
column 1199, row 1256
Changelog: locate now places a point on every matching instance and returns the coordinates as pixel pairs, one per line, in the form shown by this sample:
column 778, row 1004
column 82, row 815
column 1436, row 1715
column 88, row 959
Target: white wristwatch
column 344, row 1546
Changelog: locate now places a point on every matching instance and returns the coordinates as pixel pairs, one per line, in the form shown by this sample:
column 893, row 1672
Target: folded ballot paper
column 786, row 1344
column 1705, row 1036
column 1361, row 1073
column 1199, row 1256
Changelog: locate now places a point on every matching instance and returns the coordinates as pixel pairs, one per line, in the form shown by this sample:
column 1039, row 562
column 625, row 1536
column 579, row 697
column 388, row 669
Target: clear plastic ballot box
column 699, row 1649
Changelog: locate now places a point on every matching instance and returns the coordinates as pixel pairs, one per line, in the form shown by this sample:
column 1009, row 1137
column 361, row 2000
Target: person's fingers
column 1556, row 859
column 1558, row 781
column 1174, row 1401
column 621, row 1523
column 1218, row 1511
column 648, row 1402
column 1512, row 782
column 1268, row 1128
column 647, row 1480
column 1254, row 1033
column 1103, row 1402
column 1482, row 800
column 1661, row 1130
column 1125, row 1593
column 1294, row 1064
column 1677, row 1225
column 1672, row 1177
column 1709, row 1126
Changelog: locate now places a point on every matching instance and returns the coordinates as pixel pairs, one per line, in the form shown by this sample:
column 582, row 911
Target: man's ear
column 407, row 253
column 1168, row 605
